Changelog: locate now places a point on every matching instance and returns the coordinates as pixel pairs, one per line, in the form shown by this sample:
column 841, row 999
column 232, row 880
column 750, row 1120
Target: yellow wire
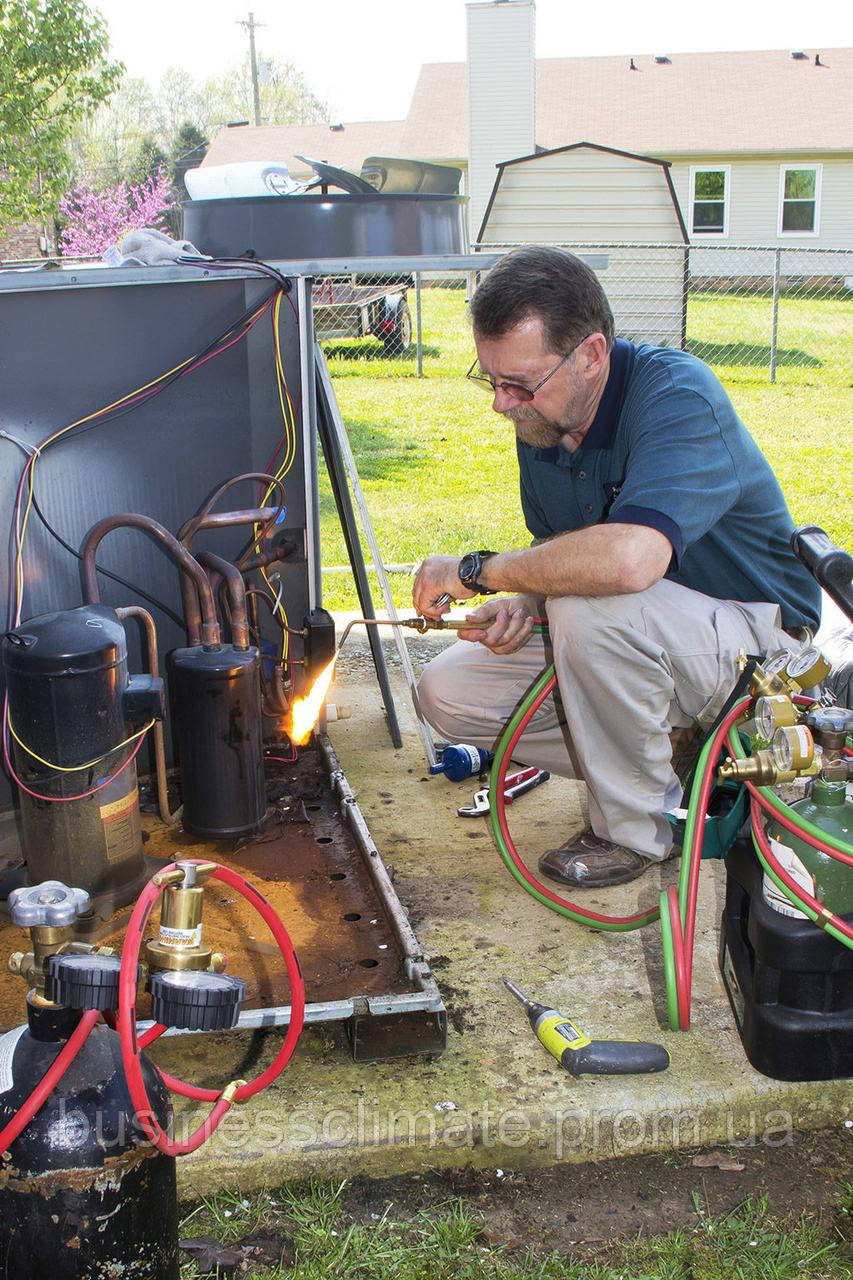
column 77, row 768
column 289, row 419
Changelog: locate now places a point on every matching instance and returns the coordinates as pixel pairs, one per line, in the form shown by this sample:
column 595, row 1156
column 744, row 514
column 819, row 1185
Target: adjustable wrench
column 514, row 785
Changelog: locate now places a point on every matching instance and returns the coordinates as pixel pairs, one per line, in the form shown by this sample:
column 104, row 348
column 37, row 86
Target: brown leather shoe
column 588, row 861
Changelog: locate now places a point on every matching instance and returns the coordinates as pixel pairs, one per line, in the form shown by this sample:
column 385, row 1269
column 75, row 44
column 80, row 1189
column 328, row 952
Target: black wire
column 236, row 330
column 107, row 573
column 233, row 330
column 245, row 264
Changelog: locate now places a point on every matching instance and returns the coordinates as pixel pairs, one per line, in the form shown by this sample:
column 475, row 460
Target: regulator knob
column 830, row 720
column 195, row 1000
column 50, row 903
column 84, row 981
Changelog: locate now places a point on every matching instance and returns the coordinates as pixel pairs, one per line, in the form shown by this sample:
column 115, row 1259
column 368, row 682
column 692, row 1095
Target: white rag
column 148, row 247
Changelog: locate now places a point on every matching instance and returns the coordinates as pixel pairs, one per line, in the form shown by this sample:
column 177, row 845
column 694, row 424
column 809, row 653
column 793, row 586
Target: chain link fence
column 755, row 314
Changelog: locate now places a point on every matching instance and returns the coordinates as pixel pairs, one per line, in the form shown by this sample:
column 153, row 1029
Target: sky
column 363, row 58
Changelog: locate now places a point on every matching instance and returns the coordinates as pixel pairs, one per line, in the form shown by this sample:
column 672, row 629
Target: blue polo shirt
column 667, row 450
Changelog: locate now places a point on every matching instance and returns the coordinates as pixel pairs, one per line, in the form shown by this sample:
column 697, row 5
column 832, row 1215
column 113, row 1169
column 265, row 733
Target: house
column 760, row 143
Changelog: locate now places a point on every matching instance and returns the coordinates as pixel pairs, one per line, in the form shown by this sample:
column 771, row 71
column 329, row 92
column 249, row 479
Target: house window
column 799, row 199
column 710, row 191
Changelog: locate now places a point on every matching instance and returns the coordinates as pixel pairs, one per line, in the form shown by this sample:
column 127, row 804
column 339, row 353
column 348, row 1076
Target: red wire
column 49, row 1080
column 681, row 957
column 60, row 799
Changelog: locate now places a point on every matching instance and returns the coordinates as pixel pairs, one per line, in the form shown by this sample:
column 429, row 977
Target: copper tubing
column 136, row 611
column 192, row 526
column 204, row 622
column 206, row 518
column 276, row 701
column 236, row 594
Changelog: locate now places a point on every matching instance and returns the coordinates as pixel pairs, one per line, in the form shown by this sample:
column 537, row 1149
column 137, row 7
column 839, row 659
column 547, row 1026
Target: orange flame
column 305, row 712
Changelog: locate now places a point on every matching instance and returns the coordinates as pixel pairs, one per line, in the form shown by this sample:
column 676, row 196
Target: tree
column 188, row 151
column 104, row 145
column 53, row 73
column 286, row 97
column 147, row 162
column 94, row 219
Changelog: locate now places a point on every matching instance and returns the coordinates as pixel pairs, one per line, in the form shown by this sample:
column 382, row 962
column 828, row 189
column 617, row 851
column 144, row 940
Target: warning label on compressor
column 122, row 827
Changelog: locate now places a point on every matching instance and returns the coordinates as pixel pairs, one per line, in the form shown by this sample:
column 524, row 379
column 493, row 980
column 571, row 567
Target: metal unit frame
column 79, row 330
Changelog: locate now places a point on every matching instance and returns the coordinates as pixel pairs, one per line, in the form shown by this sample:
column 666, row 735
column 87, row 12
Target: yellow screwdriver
column 584, row 1057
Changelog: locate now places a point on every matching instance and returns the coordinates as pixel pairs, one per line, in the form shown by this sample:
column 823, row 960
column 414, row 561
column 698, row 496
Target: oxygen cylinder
column 824, row 877
column 82, row 1194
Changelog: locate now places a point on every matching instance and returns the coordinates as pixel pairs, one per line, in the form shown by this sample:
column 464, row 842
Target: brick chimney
column 501, row 83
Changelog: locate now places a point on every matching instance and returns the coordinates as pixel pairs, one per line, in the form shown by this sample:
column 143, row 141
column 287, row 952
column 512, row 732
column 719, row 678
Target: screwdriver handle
column 580, row 1056
column 616, row 1058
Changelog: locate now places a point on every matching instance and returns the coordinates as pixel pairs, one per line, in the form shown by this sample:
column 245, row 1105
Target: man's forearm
column 601, row 560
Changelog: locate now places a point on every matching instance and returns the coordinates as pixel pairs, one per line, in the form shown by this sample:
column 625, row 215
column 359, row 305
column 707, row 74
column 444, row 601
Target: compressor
column 77, row 720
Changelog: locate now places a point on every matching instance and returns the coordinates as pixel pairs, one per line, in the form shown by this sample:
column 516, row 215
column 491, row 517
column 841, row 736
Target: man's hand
column 437, row 577
column 507, row 625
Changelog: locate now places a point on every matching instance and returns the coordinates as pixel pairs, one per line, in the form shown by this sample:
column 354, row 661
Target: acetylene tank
column 72, row 702
column 82, row 1193
column 215, row 699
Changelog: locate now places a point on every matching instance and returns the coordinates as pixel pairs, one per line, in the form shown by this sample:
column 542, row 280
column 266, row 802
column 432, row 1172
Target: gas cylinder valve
column 49, row 910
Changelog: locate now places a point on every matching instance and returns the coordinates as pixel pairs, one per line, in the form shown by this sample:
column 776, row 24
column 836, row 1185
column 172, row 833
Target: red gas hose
column 49, row 1080
column 132, row 1045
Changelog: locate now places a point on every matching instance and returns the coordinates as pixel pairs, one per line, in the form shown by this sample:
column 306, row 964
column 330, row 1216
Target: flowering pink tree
column 97, row 219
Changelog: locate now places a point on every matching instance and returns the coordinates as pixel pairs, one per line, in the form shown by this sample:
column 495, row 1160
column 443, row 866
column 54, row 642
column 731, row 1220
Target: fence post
column 774, row 337
column 420, row 347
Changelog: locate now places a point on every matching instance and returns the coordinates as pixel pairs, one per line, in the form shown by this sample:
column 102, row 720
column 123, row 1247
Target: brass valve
column 759, row 768
column 791, row 756
column 179, row 943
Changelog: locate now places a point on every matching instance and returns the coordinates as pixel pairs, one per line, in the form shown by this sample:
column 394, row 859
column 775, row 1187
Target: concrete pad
column 495, row 1099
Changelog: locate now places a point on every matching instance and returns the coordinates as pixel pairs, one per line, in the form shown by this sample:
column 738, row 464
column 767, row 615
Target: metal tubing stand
column 341, row 462
column 327, row 432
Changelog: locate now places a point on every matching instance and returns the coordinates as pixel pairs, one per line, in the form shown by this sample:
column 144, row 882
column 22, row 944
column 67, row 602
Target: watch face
column 468, row 567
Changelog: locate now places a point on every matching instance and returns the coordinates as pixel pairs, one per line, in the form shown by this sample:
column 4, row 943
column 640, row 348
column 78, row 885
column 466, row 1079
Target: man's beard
column 537, row 431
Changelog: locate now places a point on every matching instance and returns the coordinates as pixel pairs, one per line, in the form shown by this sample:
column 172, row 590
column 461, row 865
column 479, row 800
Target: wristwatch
column 469, row 570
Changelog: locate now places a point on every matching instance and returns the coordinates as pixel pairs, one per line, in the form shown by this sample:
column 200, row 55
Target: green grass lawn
column 438, row 466
column 450, row 1243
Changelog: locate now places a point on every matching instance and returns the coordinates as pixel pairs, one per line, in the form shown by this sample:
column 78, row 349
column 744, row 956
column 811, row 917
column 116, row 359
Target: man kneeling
column 661, row 549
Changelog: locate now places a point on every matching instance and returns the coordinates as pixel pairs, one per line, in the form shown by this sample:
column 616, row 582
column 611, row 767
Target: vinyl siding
column 592, row 197
column 754, row 200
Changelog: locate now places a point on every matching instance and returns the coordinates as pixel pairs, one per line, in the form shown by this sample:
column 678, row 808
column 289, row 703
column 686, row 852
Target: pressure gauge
column 772, row 713
column 793, row 748
column 776, row 664
column 808, row 668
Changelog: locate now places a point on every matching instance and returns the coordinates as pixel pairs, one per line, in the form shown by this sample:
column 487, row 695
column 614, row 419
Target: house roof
column 345, row 147
column 695, row 104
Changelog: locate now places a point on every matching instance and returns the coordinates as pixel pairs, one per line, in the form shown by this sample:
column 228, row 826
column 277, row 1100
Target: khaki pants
column 630, row 669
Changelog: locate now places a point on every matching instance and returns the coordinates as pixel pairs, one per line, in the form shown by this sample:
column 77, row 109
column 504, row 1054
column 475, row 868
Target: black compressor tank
column 215, row 699
column 71, row 706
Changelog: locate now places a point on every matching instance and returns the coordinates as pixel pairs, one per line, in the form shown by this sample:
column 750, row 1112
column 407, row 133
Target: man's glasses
column 518, row 391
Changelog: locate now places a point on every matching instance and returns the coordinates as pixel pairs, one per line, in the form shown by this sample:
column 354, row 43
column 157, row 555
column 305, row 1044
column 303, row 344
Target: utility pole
column 256, row 92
